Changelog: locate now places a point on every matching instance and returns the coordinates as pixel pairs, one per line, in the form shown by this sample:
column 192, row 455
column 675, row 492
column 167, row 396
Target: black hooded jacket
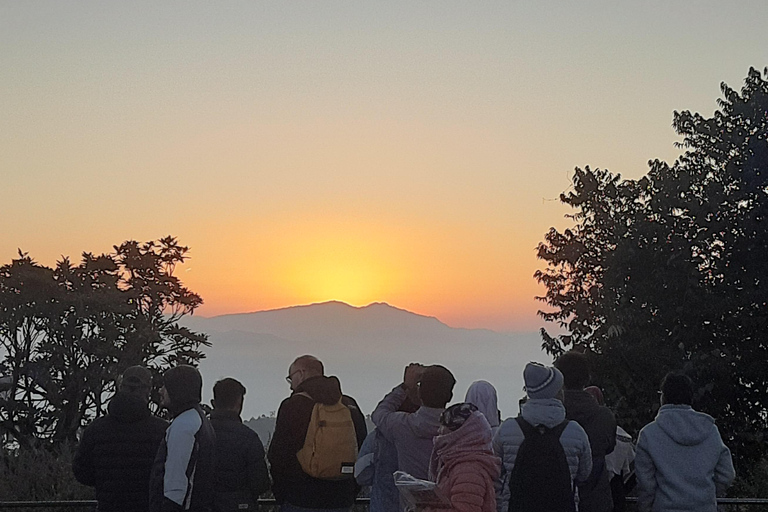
column 116, row 452
column 183, row 471
column 289, row 482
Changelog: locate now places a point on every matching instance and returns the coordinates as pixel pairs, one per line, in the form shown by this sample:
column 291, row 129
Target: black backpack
column 540, row 480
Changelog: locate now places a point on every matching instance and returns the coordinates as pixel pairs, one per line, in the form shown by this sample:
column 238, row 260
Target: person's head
column 597, row 393
column 303, row 368
column 676, row 388
column 436, row 386
column 182, row 386
column 228, row 395
column 575, row 369
column 542, row 382
column 482, row 394
column 136, row 380
column 454, row 416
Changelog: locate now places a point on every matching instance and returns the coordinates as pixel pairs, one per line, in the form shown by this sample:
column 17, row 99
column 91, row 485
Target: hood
column 482, row 395
column 184, row 386
column 469, row 443
column 684, row 425
column 581, row 406
column 549, row 412
column 326, row 390
column 128, row 408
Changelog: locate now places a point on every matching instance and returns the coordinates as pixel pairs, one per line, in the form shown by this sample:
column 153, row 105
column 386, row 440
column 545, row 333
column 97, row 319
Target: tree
column 67, row 333
column 669, row 271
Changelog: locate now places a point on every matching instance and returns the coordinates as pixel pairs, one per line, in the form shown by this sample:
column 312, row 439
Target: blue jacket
column 376, row 463
column 681, row 462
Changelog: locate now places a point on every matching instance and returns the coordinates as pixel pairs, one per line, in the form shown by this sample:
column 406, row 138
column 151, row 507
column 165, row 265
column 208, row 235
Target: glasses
column 289, row 378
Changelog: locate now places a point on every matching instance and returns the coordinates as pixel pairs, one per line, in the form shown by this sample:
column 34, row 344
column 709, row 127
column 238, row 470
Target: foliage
column 40, row 475
column 68, row 332
column 669, row 272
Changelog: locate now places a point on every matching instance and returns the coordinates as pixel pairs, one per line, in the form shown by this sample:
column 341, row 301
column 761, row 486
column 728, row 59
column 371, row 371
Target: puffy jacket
column 116, row 452
column 376, row 463
column 183, row 471
column 681, row 462
column 464, row 467
column 600, row 425
column 411, row 433
column 289, row 482
column 240, row 463
column 548, row 412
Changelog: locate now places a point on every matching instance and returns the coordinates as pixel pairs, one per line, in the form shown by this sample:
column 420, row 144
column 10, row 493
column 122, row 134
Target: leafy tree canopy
column 671, row 271
column 67, row 333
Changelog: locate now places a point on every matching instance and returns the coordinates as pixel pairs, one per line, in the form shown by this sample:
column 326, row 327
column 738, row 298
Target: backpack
column 540, row 480
column 330, row 447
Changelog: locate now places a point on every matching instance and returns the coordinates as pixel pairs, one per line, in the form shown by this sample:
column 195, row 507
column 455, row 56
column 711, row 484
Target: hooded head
column 482, row 395
column 183, row 386
column 542, row 381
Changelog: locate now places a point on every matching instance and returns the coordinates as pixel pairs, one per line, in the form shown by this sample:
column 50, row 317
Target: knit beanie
column 184, row 385
column 542, row 381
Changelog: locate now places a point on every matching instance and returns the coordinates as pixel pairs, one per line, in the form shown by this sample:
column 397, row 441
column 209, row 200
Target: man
column 116, row 451
column 294, row 489
column 600, row 424
column 183, row 472
column 412, row 433
column 241, row 471
column 548, row 485
column 681, row 462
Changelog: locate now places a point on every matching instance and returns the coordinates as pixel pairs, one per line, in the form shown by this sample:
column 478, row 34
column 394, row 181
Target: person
column 183, row 472
column 542, row 409
column 681, row 463
column 482, row 395
column 241, row 469
column 599, row 423
column 463, row 464
column 620, row 463
column 412, row 433
column 377, row 461
column 294, row 489
column 116, row 451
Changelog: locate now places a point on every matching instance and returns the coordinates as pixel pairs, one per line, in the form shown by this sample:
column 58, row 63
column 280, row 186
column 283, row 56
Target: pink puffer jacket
column 464, row 467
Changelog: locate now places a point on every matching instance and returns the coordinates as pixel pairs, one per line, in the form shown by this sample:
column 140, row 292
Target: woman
column 463, row 464
column 482, row 395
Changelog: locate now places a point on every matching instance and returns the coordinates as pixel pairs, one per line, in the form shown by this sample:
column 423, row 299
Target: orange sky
column 409, row 154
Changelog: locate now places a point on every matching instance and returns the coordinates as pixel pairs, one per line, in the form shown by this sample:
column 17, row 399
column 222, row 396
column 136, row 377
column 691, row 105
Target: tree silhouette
column 669, row 271
column 67, row 333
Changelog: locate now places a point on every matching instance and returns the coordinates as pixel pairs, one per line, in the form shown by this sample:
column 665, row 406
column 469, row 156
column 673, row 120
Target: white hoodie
column 681, row 463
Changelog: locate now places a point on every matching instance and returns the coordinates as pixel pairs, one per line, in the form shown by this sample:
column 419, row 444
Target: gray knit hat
column 542, row 381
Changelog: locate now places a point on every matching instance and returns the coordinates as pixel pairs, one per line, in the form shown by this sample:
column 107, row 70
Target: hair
column 677, row 388
column 310, row 364
column 436, row 386
column 228, row 392
column 575, row 369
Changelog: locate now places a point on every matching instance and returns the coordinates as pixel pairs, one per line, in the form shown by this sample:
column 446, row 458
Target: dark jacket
column 240, row 464
column 289, row 482
column 116, row 452
column 600, row 424
column 183, row 471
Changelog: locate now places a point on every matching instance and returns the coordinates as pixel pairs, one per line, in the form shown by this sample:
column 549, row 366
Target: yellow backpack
column 330, row 447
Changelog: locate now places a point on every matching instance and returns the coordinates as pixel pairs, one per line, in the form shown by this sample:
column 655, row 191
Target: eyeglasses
column 289, row 378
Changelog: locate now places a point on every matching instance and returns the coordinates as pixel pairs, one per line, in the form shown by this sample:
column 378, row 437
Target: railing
column 735, row 504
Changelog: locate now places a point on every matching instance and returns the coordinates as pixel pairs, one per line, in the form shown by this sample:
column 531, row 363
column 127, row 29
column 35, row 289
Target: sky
column 403, row 152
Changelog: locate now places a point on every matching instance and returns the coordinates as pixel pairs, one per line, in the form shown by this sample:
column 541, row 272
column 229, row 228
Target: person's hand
column 413, row 373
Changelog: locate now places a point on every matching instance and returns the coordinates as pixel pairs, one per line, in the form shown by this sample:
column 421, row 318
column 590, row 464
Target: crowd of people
column 563, row 452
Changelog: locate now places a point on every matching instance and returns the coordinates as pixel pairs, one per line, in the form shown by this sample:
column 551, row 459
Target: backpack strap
column 529, row 429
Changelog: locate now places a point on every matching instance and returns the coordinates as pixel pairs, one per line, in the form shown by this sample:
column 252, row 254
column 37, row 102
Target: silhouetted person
column 412, row 433
column 241, row 469
column 183, row 472
column 599, row 423
column 294, row 489
column 116, row 451
column 681, row 463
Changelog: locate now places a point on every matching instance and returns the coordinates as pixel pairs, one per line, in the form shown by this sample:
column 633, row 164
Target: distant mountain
column 367, row 347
